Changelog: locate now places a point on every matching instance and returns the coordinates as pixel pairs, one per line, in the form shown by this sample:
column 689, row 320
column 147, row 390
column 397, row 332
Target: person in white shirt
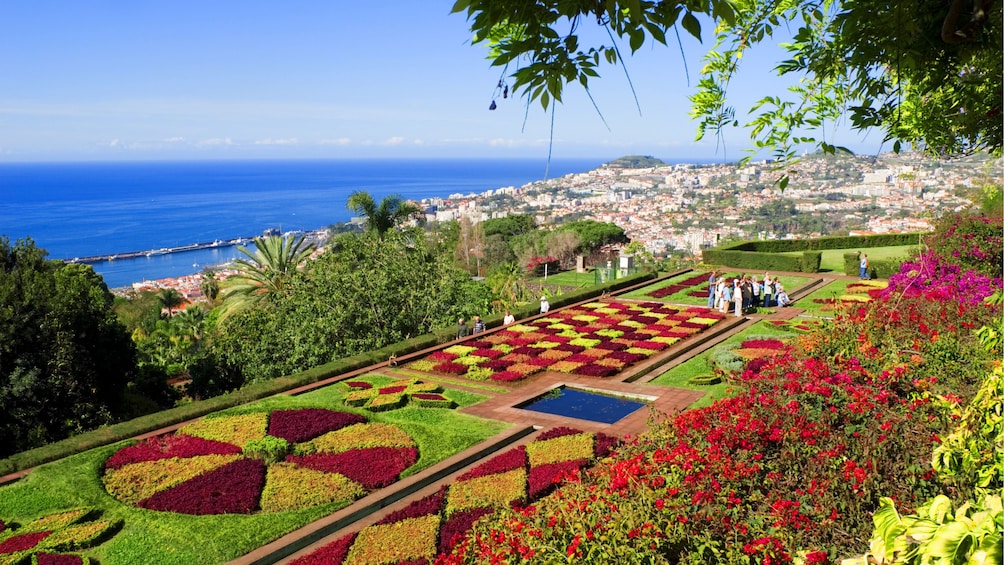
column 544, row 305
column 508, row 319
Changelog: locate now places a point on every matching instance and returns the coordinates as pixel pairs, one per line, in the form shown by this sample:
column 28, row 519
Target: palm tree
column 210, row 286
column 170, row 299
column 392, row 211
column 266, row 273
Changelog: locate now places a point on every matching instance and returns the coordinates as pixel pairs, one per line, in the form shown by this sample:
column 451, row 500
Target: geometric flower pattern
column 324, row 456
column 396, row 395
column 575, row 340
column 43, row 540
column 431, row 525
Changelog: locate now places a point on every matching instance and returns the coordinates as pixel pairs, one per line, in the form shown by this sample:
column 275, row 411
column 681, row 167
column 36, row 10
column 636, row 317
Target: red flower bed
column 333, row 552
column 431, row 504
column 656, row 345
column 57, row 559
column 231, row 489
column 392, row 389
column 498, row 364
column 541, row 361
column 626, row 357
column 22, row 542
column 168, row 446
column 363, row 385
column 514, row 458
column 295, row 426
column 442, row 356
column 375, row 467
column 489, row 353
column 559, row 431
column 543, row 478
column 508, row 376
column 611, row 345
column 593, row 370
column 763, row 344
column 457, row 526
column 451, row 368
column 570, row 347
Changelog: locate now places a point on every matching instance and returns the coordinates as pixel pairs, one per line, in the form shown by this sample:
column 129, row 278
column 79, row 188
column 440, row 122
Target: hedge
column 764, row 255
column 877, row 269
column 250, row 393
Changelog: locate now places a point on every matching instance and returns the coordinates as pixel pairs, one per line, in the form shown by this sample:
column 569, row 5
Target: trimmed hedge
column 877, row 269
column 763, row 255
column 257, row 391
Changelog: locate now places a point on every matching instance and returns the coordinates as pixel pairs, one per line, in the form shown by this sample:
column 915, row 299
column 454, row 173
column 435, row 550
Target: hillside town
column 684, row 208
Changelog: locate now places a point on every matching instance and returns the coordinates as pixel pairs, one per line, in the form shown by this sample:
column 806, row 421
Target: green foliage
column 266, row 274
column 64, row 356
column 635, row 162
column 380, row 218
column 509, row 226
column 269, row 449
column 593, row 234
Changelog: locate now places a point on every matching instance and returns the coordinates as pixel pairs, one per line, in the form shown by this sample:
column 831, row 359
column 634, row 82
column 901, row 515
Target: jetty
column 162, row 251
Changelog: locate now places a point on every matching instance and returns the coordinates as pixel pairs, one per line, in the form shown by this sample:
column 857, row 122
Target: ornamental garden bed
column 598, row 339
column 703, row 364
column 434, row 524
column 691, row 288
column 328, row 455
column 840, row 293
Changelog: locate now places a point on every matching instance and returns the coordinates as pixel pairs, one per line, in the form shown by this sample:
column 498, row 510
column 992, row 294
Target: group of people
column 744, row 293
column 478, row 325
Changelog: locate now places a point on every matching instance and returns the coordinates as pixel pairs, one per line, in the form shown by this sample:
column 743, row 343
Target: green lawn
column 831, row 290
column 679, row 376
column 569, row 278
column 833, row 259
column 170, row 538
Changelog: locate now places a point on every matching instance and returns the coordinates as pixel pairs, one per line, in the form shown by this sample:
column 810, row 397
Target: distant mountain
column 635, row 162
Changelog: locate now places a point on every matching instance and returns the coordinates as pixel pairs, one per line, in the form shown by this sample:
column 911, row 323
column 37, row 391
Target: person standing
column 479, row 326
column 544, row 305
column 462, row 330
column 768, row 290
column 712, row 287
column 737, row 297
column 508, row 319
column 863, row 267
column 756, row 292
column 726, row 298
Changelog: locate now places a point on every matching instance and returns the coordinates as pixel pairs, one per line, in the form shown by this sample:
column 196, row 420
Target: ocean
column 87, row 209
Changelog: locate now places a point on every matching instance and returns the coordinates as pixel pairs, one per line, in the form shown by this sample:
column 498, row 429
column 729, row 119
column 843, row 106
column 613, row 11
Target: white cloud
column 396, row 140
column 337, row 141
column 216, row 141
column 176, row 139
column 280, row 141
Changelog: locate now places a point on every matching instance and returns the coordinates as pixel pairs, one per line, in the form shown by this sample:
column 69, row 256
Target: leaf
column 691, row 24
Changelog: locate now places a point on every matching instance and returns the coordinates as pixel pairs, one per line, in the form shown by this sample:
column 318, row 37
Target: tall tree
column 170, row 298
column 391, row 212
column 266, row 273
column 65, row 358
column 925, row 72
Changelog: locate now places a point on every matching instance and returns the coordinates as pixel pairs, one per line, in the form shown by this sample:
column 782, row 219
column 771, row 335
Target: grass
column 833, row 259
column 571, row 278
column 169, row 538
column 831, row 290
column 680, row 375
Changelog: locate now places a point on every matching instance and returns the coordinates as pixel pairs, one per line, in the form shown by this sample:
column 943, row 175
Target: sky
column 228, row 79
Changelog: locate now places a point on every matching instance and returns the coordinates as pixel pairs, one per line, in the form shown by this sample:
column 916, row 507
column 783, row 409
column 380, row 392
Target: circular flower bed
column 260, row 462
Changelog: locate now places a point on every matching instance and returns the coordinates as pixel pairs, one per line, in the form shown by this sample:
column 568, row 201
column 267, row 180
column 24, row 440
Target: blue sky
column 144, row 79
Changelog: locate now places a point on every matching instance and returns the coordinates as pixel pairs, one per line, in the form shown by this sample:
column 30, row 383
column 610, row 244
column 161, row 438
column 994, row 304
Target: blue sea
column 87, row 209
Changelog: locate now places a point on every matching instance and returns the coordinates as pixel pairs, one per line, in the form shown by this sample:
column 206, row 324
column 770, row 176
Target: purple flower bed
column 392, row 389
column 295, row 426
column 514, row 458
column 498, row 364
column 231, row 489
column 527, row 350
column 626, row 357
column 431, row 504
column 168, row 446
column 570, row 347
column 457, row 526
column 611, row 346
column 363, row 385
column 374, row 467
column 603, row 444
column 22, row 542
column 543, row 478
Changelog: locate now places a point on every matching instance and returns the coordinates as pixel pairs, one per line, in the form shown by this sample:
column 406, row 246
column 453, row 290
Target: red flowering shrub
column 451, row 368
column 231, row 489
column 507, row 376
column 295, row 426
column 457, row 525
column 168, row 446
column 594, row 370
column 543, row 478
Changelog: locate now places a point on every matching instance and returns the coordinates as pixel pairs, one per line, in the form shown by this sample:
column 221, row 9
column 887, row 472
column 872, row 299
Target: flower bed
column 687, row 284
column 216, row 465
column 402, row 392
column 44, row 540
column 572, row 341
column 431, row 525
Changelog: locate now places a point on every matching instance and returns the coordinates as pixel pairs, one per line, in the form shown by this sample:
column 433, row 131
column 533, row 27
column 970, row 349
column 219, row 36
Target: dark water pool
column 582, row 404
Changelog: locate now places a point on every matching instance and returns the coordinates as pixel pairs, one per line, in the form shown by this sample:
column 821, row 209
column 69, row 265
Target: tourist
column 479, row 326
column 768, row 290
column 462, row 330
column 544, row 305
column 782, row 297
column 508, row 318
column 726, row 298
column 747, row 287
column 712, row 288
column 756, row 291
column 737, row 297
column 863, row 270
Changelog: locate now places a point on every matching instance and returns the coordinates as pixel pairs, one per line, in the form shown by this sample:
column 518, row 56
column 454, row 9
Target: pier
column 162, row 251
